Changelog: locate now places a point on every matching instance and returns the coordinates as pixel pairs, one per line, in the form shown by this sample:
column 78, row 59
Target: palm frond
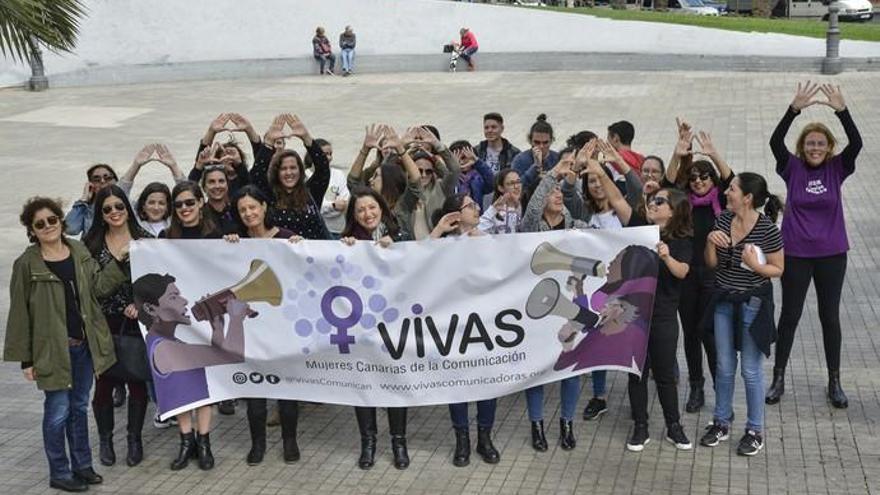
column 52, row 23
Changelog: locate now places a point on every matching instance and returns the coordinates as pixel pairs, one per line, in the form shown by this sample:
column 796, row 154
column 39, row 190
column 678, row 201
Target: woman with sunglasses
column 745, row 250
column 814, row 230
column 190, row 221
column 705, row 190
column 546, row 211
column 670, row 210
column 280, row 175
column 504, row 215
column 108, row 240
column 368, row 218
column 397, row 178
column 79, row 218
column 56, row 329
column 251, row 208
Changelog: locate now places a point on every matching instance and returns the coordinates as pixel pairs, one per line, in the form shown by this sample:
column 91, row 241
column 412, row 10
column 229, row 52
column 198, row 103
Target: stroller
column 454, row 50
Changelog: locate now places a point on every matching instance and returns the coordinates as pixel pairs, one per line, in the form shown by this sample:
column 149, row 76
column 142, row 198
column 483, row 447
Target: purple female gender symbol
column 341, row 338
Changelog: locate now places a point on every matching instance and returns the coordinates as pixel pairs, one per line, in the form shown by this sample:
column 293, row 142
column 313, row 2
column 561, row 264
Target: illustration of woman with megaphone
column 617, row 337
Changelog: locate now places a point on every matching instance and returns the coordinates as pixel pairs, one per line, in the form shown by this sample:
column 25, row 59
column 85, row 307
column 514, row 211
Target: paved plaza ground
column 48, row 139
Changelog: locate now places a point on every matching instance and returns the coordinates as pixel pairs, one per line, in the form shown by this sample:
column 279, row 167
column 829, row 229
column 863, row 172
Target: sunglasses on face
column 49, row 221
column 658, row 201
column 426, row 171
column 704, row 177
column 117, row 206
column 100, row 179
column 189, row 203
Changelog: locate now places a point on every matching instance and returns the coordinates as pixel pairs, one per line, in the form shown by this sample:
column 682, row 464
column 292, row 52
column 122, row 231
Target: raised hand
column 372, row 135
column 682, row 126
column 219, row 123
column 683, row 145
column 835, row 97
column 207, row 155
column 298, row 129
column 413, row 134
column 610, row 152
column 88, row 190
column 165, row 156
column 241, row 123
column 804, row 96
column 276, row 129
column 143, row 156
column 391, row 139
column 429, row 137
column 707, row 147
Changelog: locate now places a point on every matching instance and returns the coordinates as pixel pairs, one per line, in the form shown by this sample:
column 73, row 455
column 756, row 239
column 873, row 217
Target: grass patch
column 863, row 31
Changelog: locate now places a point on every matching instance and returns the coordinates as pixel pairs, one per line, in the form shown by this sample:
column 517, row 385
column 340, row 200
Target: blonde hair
column 815, row 127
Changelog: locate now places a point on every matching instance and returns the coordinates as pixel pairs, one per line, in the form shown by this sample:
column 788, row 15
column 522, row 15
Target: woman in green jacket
column 58, row 333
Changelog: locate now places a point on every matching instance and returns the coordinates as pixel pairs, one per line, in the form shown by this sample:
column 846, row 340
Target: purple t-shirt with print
column 813, row 225
column 177, row 388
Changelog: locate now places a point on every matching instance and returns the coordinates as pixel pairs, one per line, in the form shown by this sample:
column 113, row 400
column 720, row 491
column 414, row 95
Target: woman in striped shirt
column 745, row 249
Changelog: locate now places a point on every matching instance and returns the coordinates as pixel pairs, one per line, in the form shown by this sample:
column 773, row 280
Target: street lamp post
column 832, row 64
column 38, row 80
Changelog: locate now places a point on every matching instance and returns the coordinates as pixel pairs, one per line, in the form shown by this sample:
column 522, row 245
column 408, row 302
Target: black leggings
column 662, row 347
column 828, row 274
column 696, row 290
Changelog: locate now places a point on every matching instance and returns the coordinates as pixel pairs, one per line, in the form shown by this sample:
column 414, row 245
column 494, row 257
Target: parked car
column 719, row 5
column 696, row 7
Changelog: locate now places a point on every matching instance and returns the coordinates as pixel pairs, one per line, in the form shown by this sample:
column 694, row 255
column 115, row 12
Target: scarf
column 710, row 198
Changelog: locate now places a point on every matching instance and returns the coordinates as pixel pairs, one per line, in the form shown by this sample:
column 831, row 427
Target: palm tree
column 27, row 24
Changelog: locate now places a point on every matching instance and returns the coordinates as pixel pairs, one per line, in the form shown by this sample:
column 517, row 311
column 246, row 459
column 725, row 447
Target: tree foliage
column 52, row 23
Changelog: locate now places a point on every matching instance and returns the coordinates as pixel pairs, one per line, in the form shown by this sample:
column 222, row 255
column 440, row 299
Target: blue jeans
column 467, row 53
column 348, row 59
column 599, row 379
column 485, row 414
column 752, row 371
column 569, row 391
column 65, row 415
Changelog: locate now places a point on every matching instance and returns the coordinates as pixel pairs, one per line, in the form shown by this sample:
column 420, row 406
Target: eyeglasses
column 426, row 171
column 189, row 203
column 658, row 201
column 471, row 205
column 49, row 221
column 109, row 208
column 704, row 176
column 95, row 179
column 513, row 183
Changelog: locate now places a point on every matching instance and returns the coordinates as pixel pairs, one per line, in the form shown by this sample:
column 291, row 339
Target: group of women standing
column 719, row 249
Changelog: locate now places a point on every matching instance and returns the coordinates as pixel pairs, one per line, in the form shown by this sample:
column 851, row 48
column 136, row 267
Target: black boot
column 289, row 415
column 105, row 421
column 137, row 412
column 462, row 455
column 777, row 388
column 187, row 447
column 835, row 392
column 256, row 415
column 398, row 449
column 366, row 418
column 539, row 441
column 485, row 447
column 566, row 434
column 696, row 398
column 206, row 458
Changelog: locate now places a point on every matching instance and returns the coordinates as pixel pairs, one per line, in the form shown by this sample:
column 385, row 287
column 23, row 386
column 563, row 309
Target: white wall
column 122, row 32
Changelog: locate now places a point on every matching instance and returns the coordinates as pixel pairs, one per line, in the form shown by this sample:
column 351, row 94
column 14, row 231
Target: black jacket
column 508, row 151
column 762, row 330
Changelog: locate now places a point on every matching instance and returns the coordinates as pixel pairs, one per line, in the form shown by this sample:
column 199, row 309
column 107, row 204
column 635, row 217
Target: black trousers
column 257, row 413
column 696, row 290
column 366, row 418
column 827, row 274
column 662, row 347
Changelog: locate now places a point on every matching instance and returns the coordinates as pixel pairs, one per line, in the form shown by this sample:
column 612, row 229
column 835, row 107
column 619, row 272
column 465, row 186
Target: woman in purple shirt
column 813, row 229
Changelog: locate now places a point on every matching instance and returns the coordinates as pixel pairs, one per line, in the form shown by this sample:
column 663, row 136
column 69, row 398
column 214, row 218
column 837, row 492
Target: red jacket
column 469, row 40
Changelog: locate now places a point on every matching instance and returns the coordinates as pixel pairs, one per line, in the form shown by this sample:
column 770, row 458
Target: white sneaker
column 161, row 425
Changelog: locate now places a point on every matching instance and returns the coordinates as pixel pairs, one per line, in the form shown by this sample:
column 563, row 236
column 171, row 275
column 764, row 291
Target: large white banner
column 417, row 323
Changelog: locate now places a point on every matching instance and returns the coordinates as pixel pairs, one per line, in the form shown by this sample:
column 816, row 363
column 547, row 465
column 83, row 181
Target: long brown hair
column 681, row 225
column 207, row 226
column 298, row 197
